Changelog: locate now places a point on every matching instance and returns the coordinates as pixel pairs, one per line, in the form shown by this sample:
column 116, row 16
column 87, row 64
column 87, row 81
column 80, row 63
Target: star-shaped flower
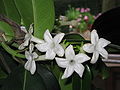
column 51, row 45
column 96, row 47
column 30, row 56
column 28, row 37
column 72, row 62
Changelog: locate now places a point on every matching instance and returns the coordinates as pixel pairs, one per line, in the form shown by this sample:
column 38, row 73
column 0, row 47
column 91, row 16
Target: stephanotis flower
column 28, row 37
column 96, row 47
column 51, row 45
column 72, row 62
column 30, row 56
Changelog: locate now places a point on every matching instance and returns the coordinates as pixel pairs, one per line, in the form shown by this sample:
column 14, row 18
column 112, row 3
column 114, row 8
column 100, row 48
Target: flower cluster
column 64, row 57
column 78, row 20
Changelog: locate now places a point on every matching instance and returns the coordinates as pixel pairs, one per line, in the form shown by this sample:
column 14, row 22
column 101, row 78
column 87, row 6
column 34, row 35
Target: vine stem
column 11, row 51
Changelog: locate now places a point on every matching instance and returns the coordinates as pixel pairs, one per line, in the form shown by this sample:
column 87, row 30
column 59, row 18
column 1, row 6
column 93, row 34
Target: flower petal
column 27, row 65
column 50, row 54
column 23, row 29
column 88, row 47
column 47, row 37
column 57, row 39
column 31, row 47
column 69, row 53
column 37, row 40
column 81, row 57
column 94, row 57
column 35, row 55
column 103, row 42
column 31, row 29
column 94, row 37
column 59, row 50
column 28, row 55
column 41, row 58
column 26, row 42
column 42, row 47
column 103, row 53
column 21, row 46
column 62, row 62
column 68, row 72
column 79, row 69
column 33, row 67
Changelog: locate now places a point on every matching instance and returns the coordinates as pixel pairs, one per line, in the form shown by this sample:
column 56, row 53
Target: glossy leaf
column 11, row 11
column 21, row 79
column 65, row 84
column 26, row 11
column 49, row 79
column 83, row 83
column 7, row 30
column 43, row 16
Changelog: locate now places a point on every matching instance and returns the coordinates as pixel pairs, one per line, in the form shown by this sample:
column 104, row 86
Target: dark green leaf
column 65, row 84
column 7, row 63
column 49, row 79
column 43, row 16
column 26, row 11
column 74, row 37
column 2, row 8
column 12, row 11
column 21, row 79
column 83, row 83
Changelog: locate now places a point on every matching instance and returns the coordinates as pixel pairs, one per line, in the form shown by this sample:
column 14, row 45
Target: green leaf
column 7, row 30
column 2, row 8
column 44, row 16
column 83, row 83
column 65, row 84
column 73, row 37
column 49, row 79
column 21, row 79
column 12, row 11
column 26, row 11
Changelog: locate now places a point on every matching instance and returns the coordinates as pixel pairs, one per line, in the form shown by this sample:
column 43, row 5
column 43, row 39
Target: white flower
column 72, row 62
column 30, row 56
column 96, row 47
column 28, row 37
column 51, row 45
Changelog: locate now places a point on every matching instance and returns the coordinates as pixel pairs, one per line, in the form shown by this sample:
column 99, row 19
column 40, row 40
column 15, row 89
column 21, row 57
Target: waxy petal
column 79, row 69
column 103, row 42
column 68, row 72
column 57, row 39
column 47, row 37
column 62, row 62
column 81, row 57
column 31, row 47
column 31, row 29
column 103, row 53
column 59, row 50
column 41, row 58
column 94, row 57
column 35, row 55
column 23, row 29
column 50, row 54
column 28, row 55
column 94, row 37
column 69, row 53
column 88, row 48
column 33, row 67
column 42, row 47
column 36, row 40
column 21, row 46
